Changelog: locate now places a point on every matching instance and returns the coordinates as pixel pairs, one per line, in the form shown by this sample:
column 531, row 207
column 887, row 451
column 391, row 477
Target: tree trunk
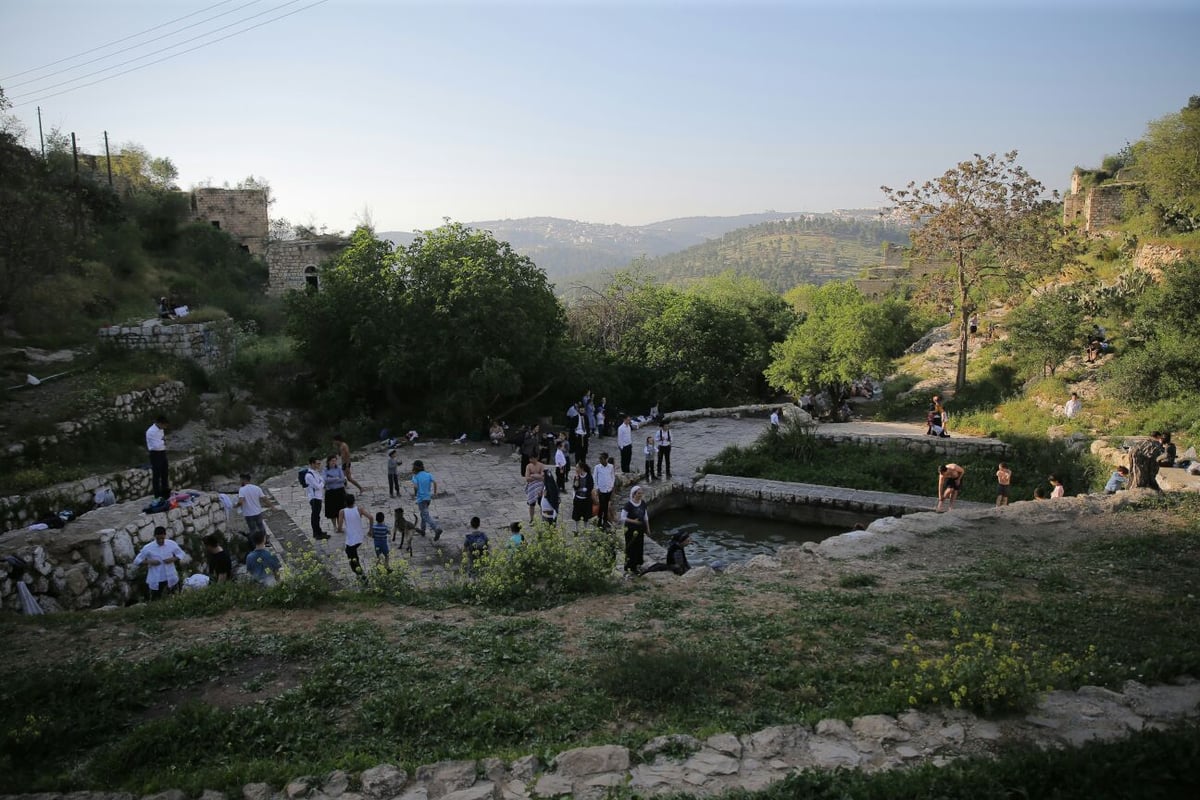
column 1143, row 465
column 960, row 375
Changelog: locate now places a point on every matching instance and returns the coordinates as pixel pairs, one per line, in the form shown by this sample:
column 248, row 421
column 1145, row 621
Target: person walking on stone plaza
column 648, row 451
column 535, row 474
column 662, row 441
column 530, row 446
column 636, row 519
column 355, row 522
column 424, row 488
column 379, row 536
column 393, row 474
column 343, row 452
column 156, row 445
column 251, row 500
column 625, row 442
column 583, row 494
column 335, row 491
column 605, row 476
column 314, row 490
column 579, row 434
column 160, row 556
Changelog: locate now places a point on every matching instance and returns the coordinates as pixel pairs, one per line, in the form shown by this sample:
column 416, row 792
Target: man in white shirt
column 605, row 476
column 662, row 441
column 775, row 419
column 314, row 490
column 251, row 500
column 625, row 442
column 161, row 556
column 156, row 444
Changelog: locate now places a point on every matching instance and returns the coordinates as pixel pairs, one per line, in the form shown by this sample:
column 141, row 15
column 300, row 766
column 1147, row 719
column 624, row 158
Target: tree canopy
column 1168, row 161
column 843, row 337
column 988, row 220
column 457, row 325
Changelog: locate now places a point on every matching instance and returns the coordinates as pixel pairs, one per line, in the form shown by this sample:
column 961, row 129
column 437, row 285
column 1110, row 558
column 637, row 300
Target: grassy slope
column 190, row 694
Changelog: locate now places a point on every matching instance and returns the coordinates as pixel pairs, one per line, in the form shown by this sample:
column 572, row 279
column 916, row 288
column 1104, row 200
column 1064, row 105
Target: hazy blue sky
column 609, row 112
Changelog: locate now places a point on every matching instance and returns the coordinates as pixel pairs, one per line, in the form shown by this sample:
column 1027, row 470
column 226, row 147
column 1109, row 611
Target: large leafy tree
column 452, row 328
column 843, row 337
column 989, row 221
column 1168, row 161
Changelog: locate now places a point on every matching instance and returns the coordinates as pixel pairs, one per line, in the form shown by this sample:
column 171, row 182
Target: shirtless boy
column 1003, row 481
column 950, row 477
column 343, row 451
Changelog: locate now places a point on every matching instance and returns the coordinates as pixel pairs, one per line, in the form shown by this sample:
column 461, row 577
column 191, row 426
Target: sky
column 407, row 113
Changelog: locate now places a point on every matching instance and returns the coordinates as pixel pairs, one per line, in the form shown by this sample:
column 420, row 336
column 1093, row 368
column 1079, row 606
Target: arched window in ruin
column 310, row 278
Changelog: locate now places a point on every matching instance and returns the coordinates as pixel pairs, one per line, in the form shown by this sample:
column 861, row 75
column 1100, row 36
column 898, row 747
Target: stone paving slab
column 482, row 479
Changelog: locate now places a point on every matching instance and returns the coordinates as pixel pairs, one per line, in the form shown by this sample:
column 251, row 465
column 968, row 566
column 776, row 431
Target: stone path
column 478, row 479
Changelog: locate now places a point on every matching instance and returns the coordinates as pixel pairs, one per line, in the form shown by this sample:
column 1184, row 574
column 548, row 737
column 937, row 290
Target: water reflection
column 733, row 538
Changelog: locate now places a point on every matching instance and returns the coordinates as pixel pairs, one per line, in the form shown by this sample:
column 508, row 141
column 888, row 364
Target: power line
column 152, row 53
column 134, row 47
column 172, row 55
column 116, row 41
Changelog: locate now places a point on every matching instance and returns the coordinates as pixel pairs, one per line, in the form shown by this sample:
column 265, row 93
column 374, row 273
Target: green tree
column 452, row 328
column 988, row 220
column 842, row 338
column 1168, row 160
column 1045, row 330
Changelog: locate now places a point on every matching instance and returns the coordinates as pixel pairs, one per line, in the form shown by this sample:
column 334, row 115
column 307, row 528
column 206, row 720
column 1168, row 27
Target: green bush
column 303, row 584
column 391, row 584
column 547, row 568
column 985, row 671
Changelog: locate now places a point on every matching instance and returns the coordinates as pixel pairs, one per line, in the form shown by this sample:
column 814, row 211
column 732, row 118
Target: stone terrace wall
column 1153, row 257
column 793, row 502
column 212, row 345
column 86, row 564
column 18, row 511
column 136, row 405
column 753, row 761
column 951, row 447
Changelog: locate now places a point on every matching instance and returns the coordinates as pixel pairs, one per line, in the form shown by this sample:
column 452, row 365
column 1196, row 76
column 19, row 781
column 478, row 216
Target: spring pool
column 734, row 538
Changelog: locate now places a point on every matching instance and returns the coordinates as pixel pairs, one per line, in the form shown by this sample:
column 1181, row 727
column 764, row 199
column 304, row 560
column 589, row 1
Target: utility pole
column 41, row 138
column 108, row 159
column 75, row 156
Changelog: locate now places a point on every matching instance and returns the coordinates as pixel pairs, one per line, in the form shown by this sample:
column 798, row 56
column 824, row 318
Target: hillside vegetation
column 808, row 249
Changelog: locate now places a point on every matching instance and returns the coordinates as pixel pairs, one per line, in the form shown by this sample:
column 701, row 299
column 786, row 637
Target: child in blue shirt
column 379, row 534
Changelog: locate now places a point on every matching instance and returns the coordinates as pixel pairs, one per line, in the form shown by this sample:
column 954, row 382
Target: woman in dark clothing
column 335, row 490
column 584, row 494
column 636, row 517
column 677, row 560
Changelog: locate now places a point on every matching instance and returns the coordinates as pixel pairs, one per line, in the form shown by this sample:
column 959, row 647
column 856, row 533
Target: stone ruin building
column 242, row 213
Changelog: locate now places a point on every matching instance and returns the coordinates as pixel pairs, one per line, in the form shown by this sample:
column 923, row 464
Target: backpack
column 301, row 475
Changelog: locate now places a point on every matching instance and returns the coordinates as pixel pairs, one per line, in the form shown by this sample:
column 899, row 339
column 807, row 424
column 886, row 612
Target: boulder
column 445, row 777
column 583, row 761
column 383, row 782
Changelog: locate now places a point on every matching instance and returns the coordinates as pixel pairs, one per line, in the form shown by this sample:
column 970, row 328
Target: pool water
column 733, row 538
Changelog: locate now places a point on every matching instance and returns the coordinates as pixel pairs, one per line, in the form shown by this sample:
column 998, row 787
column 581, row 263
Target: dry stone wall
column 212, row 345
column 751, row 762
column 140, row 404
column 18, row 511
column 1153, row 257
column 87, row 563
column 946, row 447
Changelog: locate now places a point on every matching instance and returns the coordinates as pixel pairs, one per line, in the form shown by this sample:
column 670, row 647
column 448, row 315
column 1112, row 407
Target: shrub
column 391, row 584
column 548, row 567
column 985, row 671
column 303, row 583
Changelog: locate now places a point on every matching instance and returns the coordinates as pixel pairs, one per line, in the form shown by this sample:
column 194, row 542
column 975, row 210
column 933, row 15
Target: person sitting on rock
column 677, row 560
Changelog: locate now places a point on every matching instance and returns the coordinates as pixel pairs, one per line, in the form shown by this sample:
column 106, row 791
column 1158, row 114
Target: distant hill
column 812, row 248
column 780, row 248
column 567, row 248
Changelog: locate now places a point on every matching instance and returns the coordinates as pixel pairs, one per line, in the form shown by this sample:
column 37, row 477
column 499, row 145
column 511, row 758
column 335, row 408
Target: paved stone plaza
column 481, row 479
